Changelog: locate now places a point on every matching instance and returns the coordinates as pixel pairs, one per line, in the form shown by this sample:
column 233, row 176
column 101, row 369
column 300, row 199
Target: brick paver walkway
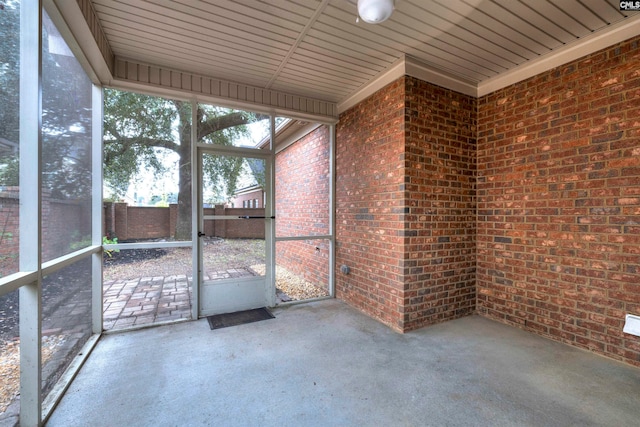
column 148, row 300
column 145, row 301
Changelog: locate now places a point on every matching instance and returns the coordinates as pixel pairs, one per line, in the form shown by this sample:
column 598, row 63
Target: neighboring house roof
column 7, row 146
column 287, row 132
column 256, row 166
column 247, row 190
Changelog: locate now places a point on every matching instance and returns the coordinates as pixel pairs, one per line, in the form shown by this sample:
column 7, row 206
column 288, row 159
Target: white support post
column 196, row 203
column 332, row 210
column 270, row 211
column 97, row 211
column 30, row 211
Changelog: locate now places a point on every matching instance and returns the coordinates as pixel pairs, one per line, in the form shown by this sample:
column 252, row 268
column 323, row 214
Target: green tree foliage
column 66, row 120
column 135, row 126
column 138, row 128
column 66, row 111
column 9, row 90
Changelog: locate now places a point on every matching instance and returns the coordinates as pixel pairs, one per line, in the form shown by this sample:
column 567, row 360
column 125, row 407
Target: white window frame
column 28, row 280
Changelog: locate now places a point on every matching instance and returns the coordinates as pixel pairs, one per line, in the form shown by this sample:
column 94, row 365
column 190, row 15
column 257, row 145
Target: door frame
column 268, row 156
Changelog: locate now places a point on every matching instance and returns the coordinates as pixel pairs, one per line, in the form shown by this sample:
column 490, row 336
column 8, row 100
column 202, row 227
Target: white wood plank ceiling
column 315, row 48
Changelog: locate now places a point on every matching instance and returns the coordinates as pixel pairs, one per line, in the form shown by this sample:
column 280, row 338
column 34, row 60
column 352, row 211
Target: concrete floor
column 325, row 364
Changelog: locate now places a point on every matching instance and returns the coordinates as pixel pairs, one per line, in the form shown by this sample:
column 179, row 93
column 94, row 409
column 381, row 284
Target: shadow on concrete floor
column 326, row 364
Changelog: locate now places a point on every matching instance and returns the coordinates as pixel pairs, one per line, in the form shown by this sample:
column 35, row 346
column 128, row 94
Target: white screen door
column 235, row 232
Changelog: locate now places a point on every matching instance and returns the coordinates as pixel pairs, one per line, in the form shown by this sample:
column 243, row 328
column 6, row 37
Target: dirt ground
column 10, row 367
column 65, row 286
column 219, row 255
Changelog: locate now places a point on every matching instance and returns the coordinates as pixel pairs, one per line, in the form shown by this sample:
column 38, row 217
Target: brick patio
column 146, row 300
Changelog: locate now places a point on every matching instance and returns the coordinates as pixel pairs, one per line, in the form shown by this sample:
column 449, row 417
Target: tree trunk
column 183, row 222
column 204, row 127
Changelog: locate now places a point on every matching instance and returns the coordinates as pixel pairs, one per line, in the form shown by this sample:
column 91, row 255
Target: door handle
column 256, row 217
column 201, row 234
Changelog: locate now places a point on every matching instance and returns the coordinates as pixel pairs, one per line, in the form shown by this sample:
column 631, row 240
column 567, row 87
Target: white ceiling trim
column 392, row 74
column 419, row 70
column 409, row 66
column 131, row 74
column 587, row 45
column 293, row 132
column 297, row 69
column 72, row 22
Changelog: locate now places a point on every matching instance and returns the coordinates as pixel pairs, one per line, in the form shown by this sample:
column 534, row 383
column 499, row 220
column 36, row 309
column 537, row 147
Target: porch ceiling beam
column 294, row 47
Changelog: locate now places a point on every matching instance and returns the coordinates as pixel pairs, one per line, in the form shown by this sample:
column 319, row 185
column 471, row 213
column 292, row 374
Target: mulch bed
column 129, row 256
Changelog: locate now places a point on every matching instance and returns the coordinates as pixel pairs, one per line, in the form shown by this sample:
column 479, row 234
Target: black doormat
column 239, row 318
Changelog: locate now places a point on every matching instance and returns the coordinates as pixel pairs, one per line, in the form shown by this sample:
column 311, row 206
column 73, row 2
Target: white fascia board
column 587, row 45
column 419, row 70
column 294, row 136
column 72, row 25
column 397, row 70
column 409, row 66
column 164, row 81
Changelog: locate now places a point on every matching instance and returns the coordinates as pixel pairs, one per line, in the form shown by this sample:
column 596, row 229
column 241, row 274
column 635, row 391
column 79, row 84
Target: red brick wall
column 151, row 222
column 440, row 154
column 146, row 222
column 252, row 196
column 66, row 226
column 405, row 163
column 64, row 223
column 9, row 231
column 558, row 197
column 302, row 186
column 370, row 205
column 136, row 222
column 302, row 206
column 308, row 259
column 236, row 229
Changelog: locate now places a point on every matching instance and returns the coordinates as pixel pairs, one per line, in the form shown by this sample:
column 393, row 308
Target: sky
column 145, row 184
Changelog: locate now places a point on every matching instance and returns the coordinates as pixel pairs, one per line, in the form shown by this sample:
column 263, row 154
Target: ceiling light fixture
column 375, row 11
